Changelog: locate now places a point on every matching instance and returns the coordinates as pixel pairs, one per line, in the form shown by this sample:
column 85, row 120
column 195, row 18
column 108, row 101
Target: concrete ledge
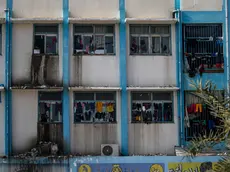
column 94, row 88
column 95, row 20
column 37, row 20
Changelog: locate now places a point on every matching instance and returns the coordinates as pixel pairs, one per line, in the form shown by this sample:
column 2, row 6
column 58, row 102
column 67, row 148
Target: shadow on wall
column 44, row 71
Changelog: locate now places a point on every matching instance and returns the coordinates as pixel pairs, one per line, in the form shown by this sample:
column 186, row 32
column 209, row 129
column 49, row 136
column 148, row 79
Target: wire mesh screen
column 203, row 39
column 200, row 120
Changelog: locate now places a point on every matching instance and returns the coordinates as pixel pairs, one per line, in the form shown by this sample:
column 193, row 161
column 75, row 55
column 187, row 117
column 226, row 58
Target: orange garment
column 99, row 107
column 198, row 107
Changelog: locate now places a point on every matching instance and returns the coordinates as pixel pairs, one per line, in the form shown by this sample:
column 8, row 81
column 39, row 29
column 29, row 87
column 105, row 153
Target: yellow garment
column 198, row 107
column 99, row 107
column 138, row 118
column 109, row 108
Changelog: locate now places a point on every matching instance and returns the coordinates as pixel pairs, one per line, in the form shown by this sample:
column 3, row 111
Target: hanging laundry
column 110, row 108
column 99, row 107
column 198, row 108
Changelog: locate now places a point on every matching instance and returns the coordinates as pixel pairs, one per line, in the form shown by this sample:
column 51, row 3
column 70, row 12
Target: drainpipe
column 8, row 120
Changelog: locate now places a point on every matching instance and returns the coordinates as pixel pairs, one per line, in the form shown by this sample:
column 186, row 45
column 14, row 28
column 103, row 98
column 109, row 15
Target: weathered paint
column 149, row 8
column 65, row 47
column 201, row 5
column 37, row 9
column 94, row 9
column 2, row 8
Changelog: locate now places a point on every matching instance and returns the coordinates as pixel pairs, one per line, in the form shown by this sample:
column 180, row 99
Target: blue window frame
column 152, row 107
column 97, row 107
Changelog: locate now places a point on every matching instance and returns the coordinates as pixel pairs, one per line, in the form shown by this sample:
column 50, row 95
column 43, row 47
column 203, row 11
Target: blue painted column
column 123, row 81
column 8, row 74
column 226, row 9
column 179, row 74
column 65, row 59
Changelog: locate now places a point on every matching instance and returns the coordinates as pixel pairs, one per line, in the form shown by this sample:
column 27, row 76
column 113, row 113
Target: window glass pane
column 141, row 96
column 134, row 42
column 84, row 29
column 158, row 113
column 84, row 111
column 105, row 96
column 139, row 29
column 168, row 114
column 46, row 29
column 105, row 112
column 109, row 44
column 160, row 29
column 99, row 41
column 39, row 44
column 144, row 44
column 84, row 96
column 155, row 44
column 142, row 112
column 162, row 96
column 104, row 29
column 49, row 96
column 51, row 44
column 165, row 45
column 78, row 44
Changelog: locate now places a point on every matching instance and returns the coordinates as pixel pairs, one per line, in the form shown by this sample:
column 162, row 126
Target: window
column 94, row 39
column 199, row 119
column 150, row 39
column 0, row 39
column 94, row 107
column 46, row 40
column 50, row 107
column 152, row 107
column 203, row 47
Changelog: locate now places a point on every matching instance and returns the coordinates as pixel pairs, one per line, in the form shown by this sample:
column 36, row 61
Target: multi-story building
column 87, row 73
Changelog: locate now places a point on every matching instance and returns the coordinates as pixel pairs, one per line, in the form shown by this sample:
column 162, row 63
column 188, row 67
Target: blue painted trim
column 123, row 81
column 203, row 17
column 8, row 94
column 179, row 71
column 226, row 43
column 65, row 47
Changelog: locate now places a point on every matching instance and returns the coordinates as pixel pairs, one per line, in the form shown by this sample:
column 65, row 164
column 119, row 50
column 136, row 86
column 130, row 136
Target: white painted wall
column 2, row 8
column 94, row 9
column 147, row 71
column 2, row 57
column 2, row 124
column 201, row 5
column 37, row 9
column 86, row 139
column 22, row 44
column 149, row 8
column 147, row 139
column 24, row 120
column 95, row 70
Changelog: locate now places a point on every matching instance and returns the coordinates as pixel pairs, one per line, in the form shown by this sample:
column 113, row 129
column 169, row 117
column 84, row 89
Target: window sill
column 45, row 55
column 150, row 54
column 211, row 71
column 95, row 123
column 76, row 55
column 50, row 122
column 163, row 122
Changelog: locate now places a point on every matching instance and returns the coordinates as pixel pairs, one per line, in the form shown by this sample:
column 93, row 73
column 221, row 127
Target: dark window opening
column 50, row 118
column 198, row 117
column 0, row 39
column 150, row 39
column 94, row 39
column 46, row 40
column 95, row 107
column 152, row 107
column 203, row 48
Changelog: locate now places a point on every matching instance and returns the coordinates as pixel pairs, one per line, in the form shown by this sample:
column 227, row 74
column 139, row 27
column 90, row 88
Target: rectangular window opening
column 96, row 107
column 94, row 39
column 150, row 39
column 152, row 107
column 46, row 39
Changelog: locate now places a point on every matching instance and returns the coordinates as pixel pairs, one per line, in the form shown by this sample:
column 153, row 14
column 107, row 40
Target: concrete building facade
column 87, row 73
